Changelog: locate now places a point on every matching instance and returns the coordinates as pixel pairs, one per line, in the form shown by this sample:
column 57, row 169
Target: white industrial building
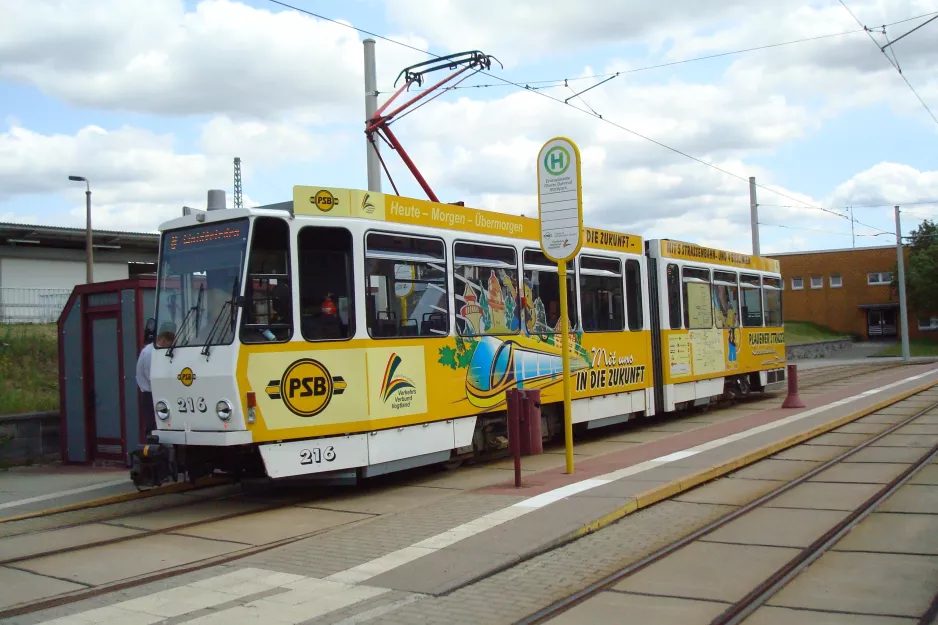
column 40, row 265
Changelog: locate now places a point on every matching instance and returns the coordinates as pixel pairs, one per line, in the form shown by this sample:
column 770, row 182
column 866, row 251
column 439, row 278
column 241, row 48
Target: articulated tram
column 350, row 333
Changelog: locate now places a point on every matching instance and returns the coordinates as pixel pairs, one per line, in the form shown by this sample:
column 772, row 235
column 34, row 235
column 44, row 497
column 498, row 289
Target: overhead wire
column 762, row 223
column 802, row 203
column 634, row 70
column 891, row 62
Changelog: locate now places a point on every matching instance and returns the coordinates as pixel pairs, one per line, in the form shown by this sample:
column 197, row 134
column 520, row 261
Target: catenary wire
column 594, row 115
column 891, row 62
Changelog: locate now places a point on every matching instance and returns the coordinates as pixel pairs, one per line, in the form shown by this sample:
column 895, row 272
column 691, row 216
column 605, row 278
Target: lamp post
column 89, row 254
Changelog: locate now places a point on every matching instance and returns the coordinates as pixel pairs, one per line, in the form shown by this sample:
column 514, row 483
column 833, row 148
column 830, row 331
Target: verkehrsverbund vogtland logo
column 392, row 382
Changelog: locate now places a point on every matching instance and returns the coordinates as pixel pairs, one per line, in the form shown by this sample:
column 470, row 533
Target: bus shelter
column 101, row 333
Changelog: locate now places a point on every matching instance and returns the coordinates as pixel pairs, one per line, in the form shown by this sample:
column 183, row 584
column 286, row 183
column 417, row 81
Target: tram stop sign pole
column 560, row 210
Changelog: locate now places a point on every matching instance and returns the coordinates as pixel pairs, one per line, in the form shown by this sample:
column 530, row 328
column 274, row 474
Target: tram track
column 769, row 587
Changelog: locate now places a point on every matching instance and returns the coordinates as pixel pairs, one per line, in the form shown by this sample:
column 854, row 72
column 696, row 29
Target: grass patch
column 917, row 347
column 29, row 368
column 798, row 332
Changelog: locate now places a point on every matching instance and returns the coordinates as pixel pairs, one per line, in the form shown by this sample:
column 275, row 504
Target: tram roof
column 331, row 201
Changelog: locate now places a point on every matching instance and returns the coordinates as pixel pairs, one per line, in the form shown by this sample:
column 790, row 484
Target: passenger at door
column 164, row 340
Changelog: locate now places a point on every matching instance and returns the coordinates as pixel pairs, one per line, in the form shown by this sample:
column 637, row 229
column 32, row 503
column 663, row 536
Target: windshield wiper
column 184, row 326
column 228, row 306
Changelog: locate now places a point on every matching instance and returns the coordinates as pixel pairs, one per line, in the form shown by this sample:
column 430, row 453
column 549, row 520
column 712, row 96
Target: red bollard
column 532, row 443
column 793, row 401
column 514, row 401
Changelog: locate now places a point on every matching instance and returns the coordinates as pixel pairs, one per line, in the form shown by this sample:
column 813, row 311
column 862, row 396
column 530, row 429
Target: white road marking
column 381, row 610
column 308, row 598
column 304, row 598
column 63, row 493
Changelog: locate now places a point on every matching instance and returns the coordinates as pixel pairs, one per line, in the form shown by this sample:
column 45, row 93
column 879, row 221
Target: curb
column 179, row 487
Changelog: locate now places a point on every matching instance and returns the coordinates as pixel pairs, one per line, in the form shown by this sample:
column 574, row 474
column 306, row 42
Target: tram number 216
column 317, row 456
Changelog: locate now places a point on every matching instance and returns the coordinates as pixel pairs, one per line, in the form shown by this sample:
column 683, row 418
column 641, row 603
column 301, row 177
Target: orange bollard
column 793, row 401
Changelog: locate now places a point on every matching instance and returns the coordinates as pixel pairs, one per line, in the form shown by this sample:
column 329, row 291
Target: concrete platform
column 474, row 523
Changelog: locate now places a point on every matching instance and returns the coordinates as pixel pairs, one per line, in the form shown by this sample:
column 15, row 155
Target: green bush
column 29, row 368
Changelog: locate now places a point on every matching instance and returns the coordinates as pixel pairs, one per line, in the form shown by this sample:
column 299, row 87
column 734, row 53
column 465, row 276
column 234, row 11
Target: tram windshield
column 200, row 270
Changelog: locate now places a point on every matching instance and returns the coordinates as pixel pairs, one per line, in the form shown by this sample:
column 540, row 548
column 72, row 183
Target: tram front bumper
column 208, row 439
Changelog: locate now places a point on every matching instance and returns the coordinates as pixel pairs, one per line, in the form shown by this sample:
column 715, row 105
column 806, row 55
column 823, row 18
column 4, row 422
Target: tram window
column 327, row 302
column 698, row 307
column 725, row 299
column 406, row 286
column 540, row 310
column 772, row 299
column 751, row 293
column 601, row 294
column 486, row 287
column 674, row 297
column 633, row 294
column 268, row 305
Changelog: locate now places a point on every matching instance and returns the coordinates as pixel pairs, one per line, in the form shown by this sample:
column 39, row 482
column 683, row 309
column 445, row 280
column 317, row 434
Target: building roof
column 842, row 249
column 59, row 237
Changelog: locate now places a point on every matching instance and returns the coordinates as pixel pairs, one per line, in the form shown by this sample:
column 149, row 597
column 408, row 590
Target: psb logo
column 367, row 206
column 186, row 376
column 324, row 201
column 306, row 387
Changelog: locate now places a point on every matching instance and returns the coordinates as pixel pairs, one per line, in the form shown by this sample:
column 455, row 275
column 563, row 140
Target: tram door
column 105, row 418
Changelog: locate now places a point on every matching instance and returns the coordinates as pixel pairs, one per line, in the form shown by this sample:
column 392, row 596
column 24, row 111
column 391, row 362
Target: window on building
column 879, row 277
column 797, row 284
column 327, row 310
column 726, row 299
column 633, row 294
column 541, row 309
column 601, row 302
column 674, row 297
column 772, row 299
column 487, row 300
column 836, row 281
column 698, row 304
column 268, row 307
column 406, row 286
column 751, row 297
column 928, row 323
column 817, row 282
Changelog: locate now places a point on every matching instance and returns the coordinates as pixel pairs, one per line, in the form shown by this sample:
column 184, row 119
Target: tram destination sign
column 560, row 199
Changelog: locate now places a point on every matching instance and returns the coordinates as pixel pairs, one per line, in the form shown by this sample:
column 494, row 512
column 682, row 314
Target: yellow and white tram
column 355, row 333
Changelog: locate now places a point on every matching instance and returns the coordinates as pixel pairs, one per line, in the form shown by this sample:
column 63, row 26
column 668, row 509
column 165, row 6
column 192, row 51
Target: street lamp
column 89, row 259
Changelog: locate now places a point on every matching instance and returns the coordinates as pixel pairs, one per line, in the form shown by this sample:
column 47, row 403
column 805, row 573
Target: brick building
column 848, row 290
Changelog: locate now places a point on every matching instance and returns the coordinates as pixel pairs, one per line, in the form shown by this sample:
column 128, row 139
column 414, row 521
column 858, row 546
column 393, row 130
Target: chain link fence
column 23, row 305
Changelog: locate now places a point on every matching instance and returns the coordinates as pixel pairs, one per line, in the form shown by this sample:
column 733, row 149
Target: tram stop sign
column 559, row 199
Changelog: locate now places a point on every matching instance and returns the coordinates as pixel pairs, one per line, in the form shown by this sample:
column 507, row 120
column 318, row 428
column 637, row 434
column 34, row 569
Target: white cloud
column 525, row 29
column 222, row 58
column 139, row 178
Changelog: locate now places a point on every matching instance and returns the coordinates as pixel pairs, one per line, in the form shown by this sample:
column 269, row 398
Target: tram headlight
column 223, row 410
column 162, row 410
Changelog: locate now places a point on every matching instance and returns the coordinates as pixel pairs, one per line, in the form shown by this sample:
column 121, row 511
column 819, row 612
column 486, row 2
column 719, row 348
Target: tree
column 921, row 278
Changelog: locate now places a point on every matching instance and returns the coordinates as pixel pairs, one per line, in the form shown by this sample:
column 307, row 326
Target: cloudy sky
column 152, row 99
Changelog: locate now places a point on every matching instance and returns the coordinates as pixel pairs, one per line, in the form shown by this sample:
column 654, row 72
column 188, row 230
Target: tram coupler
column 153, row 463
